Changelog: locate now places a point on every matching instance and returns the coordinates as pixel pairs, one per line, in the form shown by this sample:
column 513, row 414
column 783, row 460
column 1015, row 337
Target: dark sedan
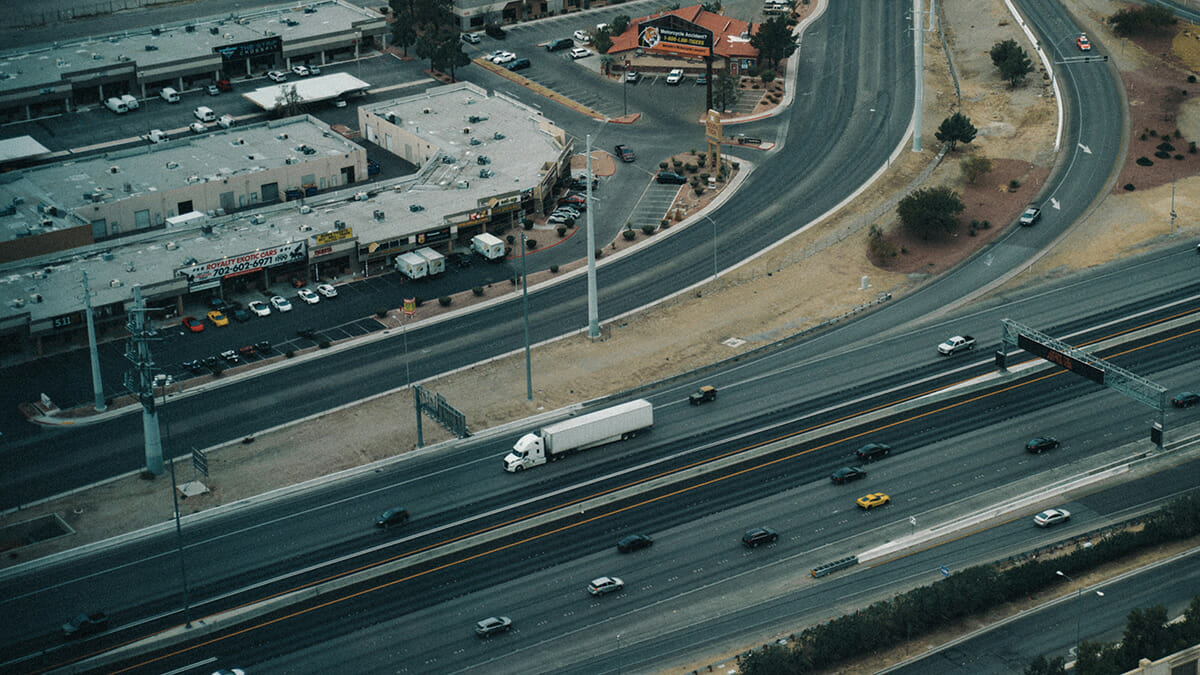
column 1185, row 399
column 1041, row 444
column 634, row 542
column 759, row 536
column 847, row 474
column 670, row 177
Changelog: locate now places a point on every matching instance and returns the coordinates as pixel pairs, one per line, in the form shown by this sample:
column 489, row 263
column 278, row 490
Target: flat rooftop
column 308, row 89
column 158, row 48
column 184, row 160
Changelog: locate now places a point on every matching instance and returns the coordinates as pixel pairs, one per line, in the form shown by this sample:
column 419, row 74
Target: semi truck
column 489, row 246
column 411, row 265
column 580, row 433
column 435, row 262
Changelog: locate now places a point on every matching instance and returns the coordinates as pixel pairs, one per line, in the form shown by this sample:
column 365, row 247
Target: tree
column 725, row 90
column 602, row 40
column 404, row 24
column 449, row 56
column 287, row 102
column 930, row 211
column 774, row 41
column 618, row 25
column 975, row 166
column 1011, row 60
column 1145, row 19
column 1146, row 635
column 770, row 660
column 1041, row 666
column 956, row 129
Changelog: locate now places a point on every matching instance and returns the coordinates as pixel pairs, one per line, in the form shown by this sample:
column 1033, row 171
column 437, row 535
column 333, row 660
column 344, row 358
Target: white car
column 504, row 57
column 281, row 303
column 259, row 308
column 308, row 296
column 301, row 71
column 198, row 127
column 314, row 70
column 605, row 585
column 675, row 76
column 1051, row 517
column 277, row 76
column 327, row 290
column 582, row 36
column 580, row 52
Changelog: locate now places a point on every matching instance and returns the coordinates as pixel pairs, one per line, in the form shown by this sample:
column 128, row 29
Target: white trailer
column 489, row 246
column 580, row 433
column 435, row 262
column 411, row 265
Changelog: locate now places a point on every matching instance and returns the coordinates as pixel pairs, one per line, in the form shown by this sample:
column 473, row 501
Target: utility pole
column 593, row 308
column 97, row 384
column 919, row 91
column 140, row 380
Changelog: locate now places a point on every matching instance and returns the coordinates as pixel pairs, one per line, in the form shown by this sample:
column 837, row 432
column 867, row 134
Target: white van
column 116, row 105
column 156, row 136
column 205, row 114
column 169, row 95
column 131, row 101
column 225, row 121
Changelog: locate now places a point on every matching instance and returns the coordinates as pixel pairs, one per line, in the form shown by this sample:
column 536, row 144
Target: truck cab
column 527, row 452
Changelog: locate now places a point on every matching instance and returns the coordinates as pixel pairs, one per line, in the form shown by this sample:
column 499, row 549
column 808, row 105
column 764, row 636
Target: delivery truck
column 435, row 262
column 580, row 433
column 489, row 246
column 411, row 265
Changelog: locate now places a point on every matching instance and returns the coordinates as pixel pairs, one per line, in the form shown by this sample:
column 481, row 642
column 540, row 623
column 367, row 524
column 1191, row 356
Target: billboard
column 657, row 36
column 243, row 264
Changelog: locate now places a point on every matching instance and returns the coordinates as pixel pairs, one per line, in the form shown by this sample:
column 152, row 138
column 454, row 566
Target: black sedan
column 847, row 474
column 1041, row 444
column 633, row 543
column 670, row 177
column 1185, row 399
column 759, row 536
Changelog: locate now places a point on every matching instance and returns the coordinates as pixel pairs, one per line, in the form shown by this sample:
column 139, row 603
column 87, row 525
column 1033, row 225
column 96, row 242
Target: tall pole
column 140, row 380
column 525, row 311
column 187, row 607
column 714, row 224
column 593, row 308
column 919, row 91
column 98, row 385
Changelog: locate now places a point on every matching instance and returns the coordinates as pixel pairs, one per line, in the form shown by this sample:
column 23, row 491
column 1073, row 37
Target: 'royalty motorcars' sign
column 244, row 263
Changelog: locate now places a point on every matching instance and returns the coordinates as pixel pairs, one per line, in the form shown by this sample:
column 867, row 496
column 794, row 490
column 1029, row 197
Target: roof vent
column 115, row 283
column 171, row 246
column 426, row 111
column 172, row 164
column 466, row 130
column 498, row 136
column 114, row 169
column 106, row 256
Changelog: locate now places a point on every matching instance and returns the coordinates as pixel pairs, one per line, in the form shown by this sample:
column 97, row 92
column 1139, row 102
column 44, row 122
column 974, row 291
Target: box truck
column 489, row 246
column 435, row 262
column 580, row 433
column 411, row 265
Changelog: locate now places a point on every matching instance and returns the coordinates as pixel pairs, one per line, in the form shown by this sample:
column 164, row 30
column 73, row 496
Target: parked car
column 847, row 474
column 461, row 260
column 392, row 518
column 873, row 451
column 702, row 78
column 195, row 365
column 559, row 44
column 578, row 201
column 492, row 625
column 868, row 502
column 231, row 356
column 582, row 36
column 192, row 323
column 472, row 38
column 1030, row 216
column 580, row 53
column 670, row 177
column 213, row 364
column 632, row 76
column 560, row 219
column 248, row 352
column 307, row 295
column 495, row 31
column 759, row 536
column 625, row 153
column 504, row 57
column 1185, row 399
column 314, row 70
column 1041, row 444
column 1051, row 517
column 197, row 127
column 327, row 290
column 519, row 64
column 218, row 318
column 213, row 90
column 262, row 346
column 277, row 76
column 301, row 71
column 675, row 76
column 604, row 585
column 634, row 542
column 703, row 395
column 240, row 315
column 569, row 210
column 281, row 303
column 259, row 308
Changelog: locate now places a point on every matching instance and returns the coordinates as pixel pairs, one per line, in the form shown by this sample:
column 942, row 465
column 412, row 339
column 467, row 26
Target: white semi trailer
column 580, row 433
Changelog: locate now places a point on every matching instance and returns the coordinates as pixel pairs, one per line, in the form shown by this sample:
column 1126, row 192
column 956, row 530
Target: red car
column 193, row 324
column 1083, row 43
column 578, row 201
column 625, row 153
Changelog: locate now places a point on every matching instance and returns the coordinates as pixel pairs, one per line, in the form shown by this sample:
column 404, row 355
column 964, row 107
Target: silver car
column 605, row 585
column 493, row 624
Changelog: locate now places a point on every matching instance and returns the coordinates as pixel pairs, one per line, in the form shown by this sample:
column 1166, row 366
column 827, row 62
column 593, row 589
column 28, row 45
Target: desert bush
column 599, row 252
column 445, row 301
column 554, row 269
column 662, row 166
column 562, row 230
column 1013, row 184
column 531, row 244
column 677, row 163
column 1162, row 154
column 1129, row 187
column 699, row 190
column 628, row 234
column 289, row 354
column 510, row 238
column 987, row 224
column 381, row 312
column 477, row 290
column 528, row 224
column 1144, row 161
column 324, row 344
column 767, row 75
column 1165, row 147
column 648, row 229
column 1178, row 156
column 1191, row 78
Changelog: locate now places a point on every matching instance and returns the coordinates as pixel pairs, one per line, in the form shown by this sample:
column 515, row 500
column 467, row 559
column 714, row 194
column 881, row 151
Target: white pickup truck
column 958, row 343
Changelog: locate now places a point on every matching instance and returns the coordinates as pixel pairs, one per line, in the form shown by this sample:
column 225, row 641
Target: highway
column 697, row 586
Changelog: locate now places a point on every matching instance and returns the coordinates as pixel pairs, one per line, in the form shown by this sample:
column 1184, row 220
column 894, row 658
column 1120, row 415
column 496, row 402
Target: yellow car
column 870, row 501
column 218, row 318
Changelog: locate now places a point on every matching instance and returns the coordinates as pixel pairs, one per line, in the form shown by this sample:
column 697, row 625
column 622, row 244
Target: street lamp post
column 1078, row 607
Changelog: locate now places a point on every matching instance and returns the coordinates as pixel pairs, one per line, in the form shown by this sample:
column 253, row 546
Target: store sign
column 242, row 50
column 336, row 235
column 324, row 250
column 244, row 263
column 655, row 36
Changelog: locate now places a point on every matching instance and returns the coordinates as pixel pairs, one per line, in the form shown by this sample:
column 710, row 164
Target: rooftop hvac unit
column 462, row 185
column 129, row 267
column 128, row 187
column 477, row 118
column 361, row 196
column 305, row 228
column 114, row 169
column 426, row 111
column 483, row 159
column 378, row 214
column 171, row 246
column 115, row 283
column 486, row 173
column 37, row 297
column 466, row 130
column 258, row 219
column 106, row 256
column 291, row 160
column 213, row 30
column 172, row 164
column 306, row 209
column 339, row 224
column 498, row 136
column 151, row 48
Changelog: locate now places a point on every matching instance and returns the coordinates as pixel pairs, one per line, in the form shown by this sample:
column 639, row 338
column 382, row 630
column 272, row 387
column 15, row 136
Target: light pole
column 1078, row 608
column 525, row 311
column 187, row 606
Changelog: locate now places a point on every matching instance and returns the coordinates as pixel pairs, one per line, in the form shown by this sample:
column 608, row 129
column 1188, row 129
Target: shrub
column 512, row 280
column 704, row 177
column 736, row 165
column 664, row 223
column 478, row 291
column 1154, row 133
column 662, row 166
column 648, row 229
column 1013, row 184
column 528, row 224
column 599, row 252
column 987, row 224
column 1162, row 154
column 531, row 244
column 677, row 163
column 768, row 75
column 510, row 238
column 628, row 234
column 1179, row 134
column 554, row 269
column 1129, row 187
column 1165, row 147
column 752, row 71
column 692, row 168
column 1191, row 78
column 445, row 301
column 381, row 312
column 289, row 354
column 699, row 190
column 418, row 301
column 562, row 230
column 1145, row 161
column 1178, row 156
column 1192, row 147
column 324, row 344
column 1143, row 136
column 702, row 160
